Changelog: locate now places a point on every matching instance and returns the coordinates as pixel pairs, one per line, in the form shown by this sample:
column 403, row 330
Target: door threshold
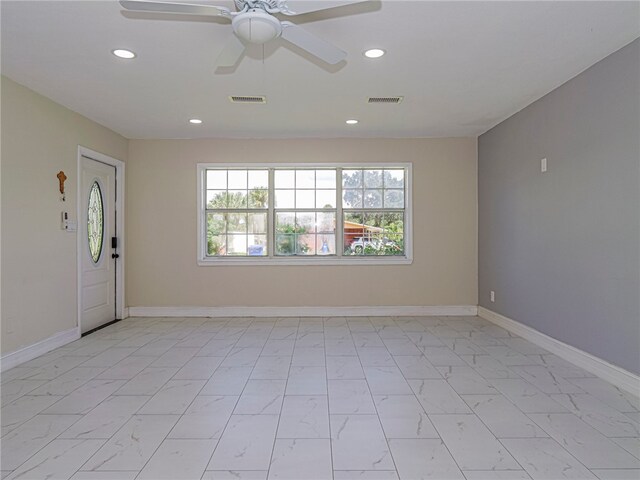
column 101, row 327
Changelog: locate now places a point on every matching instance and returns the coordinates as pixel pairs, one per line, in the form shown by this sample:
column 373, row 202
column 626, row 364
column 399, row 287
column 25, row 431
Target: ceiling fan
column 255, row 22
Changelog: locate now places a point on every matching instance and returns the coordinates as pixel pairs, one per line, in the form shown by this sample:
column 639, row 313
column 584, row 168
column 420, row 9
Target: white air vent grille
column 247, row 99
column 385, row 99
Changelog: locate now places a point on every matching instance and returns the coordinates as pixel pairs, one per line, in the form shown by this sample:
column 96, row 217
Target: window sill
column 327, row 261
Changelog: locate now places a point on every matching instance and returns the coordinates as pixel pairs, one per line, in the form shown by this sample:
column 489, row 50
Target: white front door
column 97, row 227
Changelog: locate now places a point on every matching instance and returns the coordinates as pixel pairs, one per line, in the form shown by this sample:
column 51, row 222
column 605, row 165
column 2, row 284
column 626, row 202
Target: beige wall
column 40, row 138
column 162, row 223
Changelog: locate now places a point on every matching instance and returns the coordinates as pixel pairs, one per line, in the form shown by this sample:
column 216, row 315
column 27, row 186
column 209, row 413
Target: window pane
column 373, row 199
column 393, row 198
column 394, row 178
column 285, row 198
column 216, row 199
column 257, row 245
column 257, row 223
column 305, row 222
column 373, row 178
column 236, row 222
column 326, row 244
column 285, row 222
column 352, row 198
column 285, row 244
column 284, row 178
column 236, row 244
column 259, row 179
column 258, row 198
column 217, row 179
column 216, row 244
column 325, row 179
column 326, row 222
column 393, row 222
column 305, row 199
column 325, row 198
column 306, row 244
column 351, row 178
column 305, row 178
column 237, row 199
column 237, row 180
column 216, row 224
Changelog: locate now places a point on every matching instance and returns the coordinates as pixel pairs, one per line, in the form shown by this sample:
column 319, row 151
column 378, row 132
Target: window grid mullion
column 339, row 220
column 271, row 224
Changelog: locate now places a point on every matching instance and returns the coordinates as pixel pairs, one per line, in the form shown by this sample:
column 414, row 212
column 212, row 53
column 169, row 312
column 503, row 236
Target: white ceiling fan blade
column 168, row 7
column 312, row 44
column 299, row 7
column 231, row 52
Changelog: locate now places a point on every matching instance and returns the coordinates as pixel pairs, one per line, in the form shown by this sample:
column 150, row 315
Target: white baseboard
column 382, row 311
column 125, row 313
column 599, row 367
column 25, row 354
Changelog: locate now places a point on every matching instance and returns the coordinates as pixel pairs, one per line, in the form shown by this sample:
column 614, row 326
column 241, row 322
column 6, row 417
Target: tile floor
column 333, row 398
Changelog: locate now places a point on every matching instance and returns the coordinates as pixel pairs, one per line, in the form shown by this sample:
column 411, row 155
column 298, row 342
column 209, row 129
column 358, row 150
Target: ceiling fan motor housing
column 256, row 26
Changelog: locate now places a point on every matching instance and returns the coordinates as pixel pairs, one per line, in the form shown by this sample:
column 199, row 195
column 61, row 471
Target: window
column 302, row 213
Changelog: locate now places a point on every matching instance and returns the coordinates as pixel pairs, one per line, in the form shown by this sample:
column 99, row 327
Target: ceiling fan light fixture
column 351, row 121
column 195, row 121
column 122, row 53
column 374, row 53
column 256, row 26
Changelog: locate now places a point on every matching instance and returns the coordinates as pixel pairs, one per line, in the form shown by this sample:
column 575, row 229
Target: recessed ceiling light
column 374, row 53
column 352, row 122
column 195, row 121
column 121, row 53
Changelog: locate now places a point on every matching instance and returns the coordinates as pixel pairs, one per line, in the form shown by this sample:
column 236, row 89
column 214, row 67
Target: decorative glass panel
column 95, row 222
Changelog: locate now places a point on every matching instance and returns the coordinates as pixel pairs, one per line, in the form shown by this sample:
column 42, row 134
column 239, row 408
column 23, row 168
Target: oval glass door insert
column 95, row 222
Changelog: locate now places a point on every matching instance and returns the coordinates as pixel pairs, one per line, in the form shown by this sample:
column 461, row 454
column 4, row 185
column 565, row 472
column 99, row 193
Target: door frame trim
column 119, row 166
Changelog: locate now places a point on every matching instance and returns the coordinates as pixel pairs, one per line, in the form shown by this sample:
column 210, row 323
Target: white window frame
column 338, row 258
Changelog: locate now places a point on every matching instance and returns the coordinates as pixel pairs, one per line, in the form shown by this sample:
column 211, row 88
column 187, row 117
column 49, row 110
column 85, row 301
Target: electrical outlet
column 543, row 165
column 492, row 296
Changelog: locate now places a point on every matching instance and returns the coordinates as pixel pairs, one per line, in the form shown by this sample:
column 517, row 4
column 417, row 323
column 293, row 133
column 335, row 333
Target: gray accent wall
column 561, row 249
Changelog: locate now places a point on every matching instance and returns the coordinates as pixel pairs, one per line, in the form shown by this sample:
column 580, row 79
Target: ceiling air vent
column 385, row 99
column 248, row 99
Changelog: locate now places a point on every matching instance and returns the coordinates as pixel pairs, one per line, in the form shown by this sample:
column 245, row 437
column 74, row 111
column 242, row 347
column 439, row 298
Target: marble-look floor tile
column 261, row 397
column 545, row 380
column 307, row 381
column 617, row 474
column 310, row 340
column 26, row 440
column 278, row 347
column 509, row 357
column 358, row 443
column 424, row 339
column 85, row 398
column 216, row 348
column 301, row 459
column 178, row 459
column 60, row 365
column 340, row 347
column 107, row 418
column 402, row 416
column 246, row 443
column 134, row 444
column 488, row 367
column 375, row 357
column 205, row 418
column 496, row 475
column 609, row 394
column 386, row 381
column 107, row 475
column 14, row 389
column 127, row 368
column 365, row 475
column 466, row 381
column 437, row 396
column 344, row 367
column 235, row 475
column 413, row 367
column 419, row 459
column 401, row 346
column 148, row 382
column 607, row 420
column 272, row 368
column 631, row 445
column 442, row 356
column 367, row 340
column 308, row 356
column 585, row 443
column 109, row 357
column 528, row 398
column 350, row 397
column 155, row 348
column 227, row 381
column 173, row 398
column 463, row 346
column 59, row 459
column 502, row 417
column 545, row 459
column 242, row 357
column 175, row 357
column 68, row 381
column 198, row 368
column 472, row 445
column 304, row 417
column 15, row 414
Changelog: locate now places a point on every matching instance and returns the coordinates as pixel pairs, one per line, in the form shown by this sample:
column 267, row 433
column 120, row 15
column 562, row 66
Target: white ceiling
column 461, row 66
